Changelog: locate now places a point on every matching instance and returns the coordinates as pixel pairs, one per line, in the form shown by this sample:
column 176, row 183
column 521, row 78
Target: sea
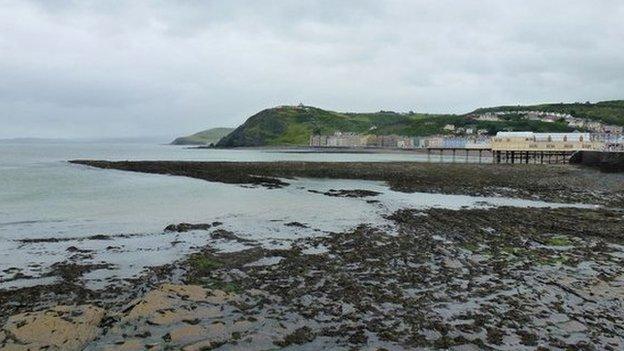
column 53, row 212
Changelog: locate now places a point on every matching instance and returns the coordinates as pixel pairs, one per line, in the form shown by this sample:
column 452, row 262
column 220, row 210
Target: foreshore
column 560, row 183
column 474, row 278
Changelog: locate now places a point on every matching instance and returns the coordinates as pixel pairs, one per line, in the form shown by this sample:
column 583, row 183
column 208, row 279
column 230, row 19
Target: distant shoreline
column 337, row 150
column 309, row 149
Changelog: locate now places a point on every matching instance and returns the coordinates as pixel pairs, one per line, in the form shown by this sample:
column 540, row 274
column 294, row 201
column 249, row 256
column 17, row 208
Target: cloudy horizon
column 145, row 68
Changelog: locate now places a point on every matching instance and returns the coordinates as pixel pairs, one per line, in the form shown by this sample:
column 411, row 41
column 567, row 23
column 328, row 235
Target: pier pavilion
column 529, row 147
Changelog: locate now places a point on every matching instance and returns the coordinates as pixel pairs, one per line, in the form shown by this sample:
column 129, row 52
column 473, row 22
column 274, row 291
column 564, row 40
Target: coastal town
column 587, row 135
column 502, row 140
column 552, row 117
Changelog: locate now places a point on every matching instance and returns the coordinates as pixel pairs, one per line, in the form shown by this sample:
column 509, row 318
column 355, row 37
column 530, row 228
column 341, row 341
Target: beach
column 441, row 256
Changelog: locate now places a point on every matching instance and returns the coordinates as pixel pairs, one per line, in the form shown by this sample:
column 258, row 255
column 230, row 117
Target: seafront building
column 527, row 147
column 353, row 140
column 503, row 141
column 529, row 141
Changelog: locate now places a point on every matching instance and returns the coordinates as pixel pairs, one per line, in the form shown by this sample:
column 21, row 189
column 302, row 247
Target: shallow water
column 43, row 196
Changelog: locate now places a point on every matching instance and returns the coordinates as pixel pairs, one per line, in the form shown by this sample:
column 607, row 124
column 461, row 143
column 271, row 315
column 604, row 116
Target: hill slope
column 290, row 125
column 206, row 137
column 609, row 112
column 293, row 125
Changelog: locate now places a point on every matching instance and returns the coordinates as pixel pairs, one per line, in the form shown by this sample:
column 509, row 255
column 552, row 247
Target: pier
column 540, row 157
column 455, row 151
column 540, row 148
column 504, row 156
column 523, row 147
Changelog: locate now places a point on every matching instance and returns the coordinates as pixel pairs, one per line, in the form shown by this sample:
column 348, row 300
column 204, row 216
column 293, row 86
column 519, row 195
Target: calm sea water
column 43, row 196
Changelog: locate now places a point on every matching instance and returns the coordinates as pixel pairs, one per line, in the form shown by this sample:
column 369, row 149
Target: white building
column 488, row 117
column 613, row 129
column 529, row 141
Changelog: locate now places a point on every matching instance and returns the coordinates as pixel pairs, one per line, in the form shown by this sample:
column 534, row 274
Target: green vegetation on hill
column 206, row 137
column 289, row 126
column 609, row 112
column 422, row 125
column 293, row 125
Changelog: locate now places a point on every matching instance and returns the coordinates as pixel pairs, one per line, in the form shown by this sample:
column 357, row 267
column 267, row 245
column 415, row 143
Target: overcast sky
column 142, row 68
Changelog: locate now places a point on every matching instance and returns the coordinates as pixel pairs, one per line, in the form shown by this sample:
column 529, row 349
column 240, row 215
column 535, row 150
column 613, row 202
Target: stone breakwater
column 503, row 278
column 556, row 183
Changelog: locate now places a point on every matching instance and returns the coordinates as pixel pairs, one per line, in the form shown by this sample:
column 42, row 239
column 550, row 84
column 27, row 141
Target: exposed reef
column 501, row 278
column 562, row 183
column 473, row 278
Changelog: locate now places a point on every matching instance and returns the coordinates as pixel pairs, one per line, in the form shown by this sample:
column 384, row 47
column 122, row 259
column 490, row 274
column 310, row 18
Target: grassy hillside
column 206, row 137
column 610, row 112
column 290, row 125
column 293, row 125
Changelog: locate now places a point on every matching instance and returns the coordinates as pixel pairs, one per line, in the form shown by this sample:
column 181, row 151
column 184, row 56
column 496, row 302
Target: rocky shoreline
column 503, row 278
column 557, row 183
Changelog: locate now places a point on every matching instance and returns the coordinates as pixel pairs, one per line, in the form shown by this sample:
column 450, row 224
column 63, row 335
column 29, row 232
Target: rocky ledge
column 559, row 183
column 503, row 278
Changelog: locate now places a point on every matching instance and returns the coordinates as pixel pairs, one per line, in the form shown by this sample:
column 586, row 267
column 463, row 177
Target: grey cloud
column 102, row 68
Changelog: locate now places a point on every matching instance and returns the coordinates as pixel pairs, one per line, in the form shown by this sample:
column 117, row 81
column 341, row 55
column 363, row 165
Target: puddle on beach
column 123, row 230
